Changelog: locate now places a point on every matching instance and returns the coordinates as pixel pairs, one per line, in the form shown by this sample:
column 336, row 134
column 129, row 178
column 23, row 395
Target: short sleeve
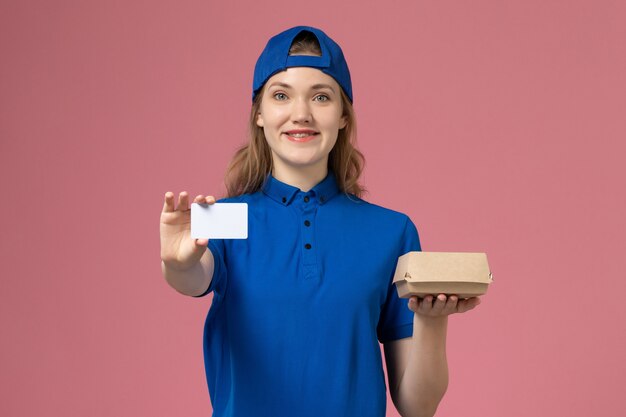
column 218, row 281
column 396, row 320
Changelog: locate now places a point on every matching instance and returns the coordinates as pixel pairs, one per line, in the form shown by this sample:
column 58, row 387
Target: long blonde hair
column 252, row 162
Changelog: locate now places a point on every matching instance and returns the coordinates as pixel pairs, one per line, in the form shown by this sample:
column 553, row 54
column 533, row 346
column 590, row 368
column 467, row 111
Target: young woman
column 299, row 308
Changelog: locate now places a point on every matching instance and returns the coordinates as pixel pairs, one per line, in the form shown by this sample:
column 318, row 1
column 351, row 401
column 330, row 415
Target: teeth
column 300, row 135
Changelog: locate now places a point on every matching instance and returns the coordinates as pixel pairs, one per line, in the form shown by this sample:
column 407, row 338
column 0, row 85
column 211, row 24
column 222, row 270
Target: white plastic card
column 219, row 221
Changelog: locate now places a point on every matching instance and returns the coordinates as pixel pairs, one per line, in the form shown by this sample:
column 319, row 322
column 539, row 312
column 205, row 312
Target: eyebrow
column 313, row 87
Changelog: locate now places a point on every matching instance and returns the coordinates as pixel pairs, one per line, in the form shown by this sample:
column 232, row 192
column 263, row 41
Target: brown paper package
column 464, row 274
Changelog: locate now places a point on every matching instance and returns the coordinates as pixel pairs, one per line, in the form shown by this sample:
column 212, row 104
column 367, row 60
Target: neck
column 303, row 178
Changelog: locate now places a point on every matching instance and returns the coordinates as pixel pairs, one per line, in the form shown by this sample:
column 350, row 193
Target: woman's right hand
column 178, row 250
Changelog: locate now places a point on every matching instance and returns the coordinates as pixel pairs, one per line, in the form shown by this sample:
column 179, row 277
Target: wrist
column 430, row 322
column 178, row 266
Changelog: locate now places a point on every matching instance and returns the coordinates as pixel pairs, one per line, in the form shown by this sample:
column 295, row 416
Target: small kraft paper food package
column 463, row 274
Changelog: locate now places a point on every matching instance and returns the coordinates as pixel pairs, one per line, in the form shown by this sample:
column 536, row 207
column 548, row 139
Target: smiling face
column 301, row 114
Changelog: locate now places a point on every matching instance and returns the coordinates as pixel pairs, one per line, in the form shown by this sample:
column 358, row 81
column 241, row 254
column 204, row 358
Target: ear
column 344, row 122
column 259, row 120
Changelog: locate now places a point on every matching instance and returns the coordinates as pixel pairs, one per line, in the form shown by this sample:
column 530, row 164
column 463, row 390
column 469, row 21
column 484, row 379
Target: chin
column 302, row 159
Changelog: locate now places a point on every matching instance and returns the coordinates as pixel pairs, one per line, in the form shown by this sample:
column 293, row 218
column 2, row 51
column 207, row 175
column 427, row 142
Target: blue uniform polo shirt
column 300, row 306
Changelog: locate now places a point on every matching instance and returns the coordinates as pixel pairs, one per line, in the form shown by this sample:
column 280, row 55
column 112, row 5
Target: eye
column 280, row 96
column 322, row 98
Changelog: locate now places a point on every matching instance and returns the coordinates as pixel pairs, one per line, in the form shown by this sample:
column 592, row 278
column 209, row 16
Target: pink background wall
column 498, row 126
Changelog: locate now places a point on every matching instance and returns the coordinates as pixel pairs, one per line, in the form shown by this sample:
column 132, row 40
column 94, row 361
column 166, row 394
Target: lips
column 301, row 132
column 301, row 135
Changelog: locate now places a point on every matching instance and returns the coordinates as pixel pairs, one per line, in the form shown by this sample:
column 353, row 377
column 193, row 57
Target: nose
column 301, row 112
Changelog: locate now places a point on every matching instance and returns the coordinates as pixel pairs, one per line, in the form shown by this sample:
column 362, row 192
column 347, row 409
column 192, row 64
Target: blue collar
column 284, row 193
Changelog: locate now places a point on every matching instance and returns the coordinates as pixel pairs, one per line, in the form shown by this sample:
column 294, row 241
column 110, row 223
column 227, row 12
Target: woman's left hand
column 441, row 305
